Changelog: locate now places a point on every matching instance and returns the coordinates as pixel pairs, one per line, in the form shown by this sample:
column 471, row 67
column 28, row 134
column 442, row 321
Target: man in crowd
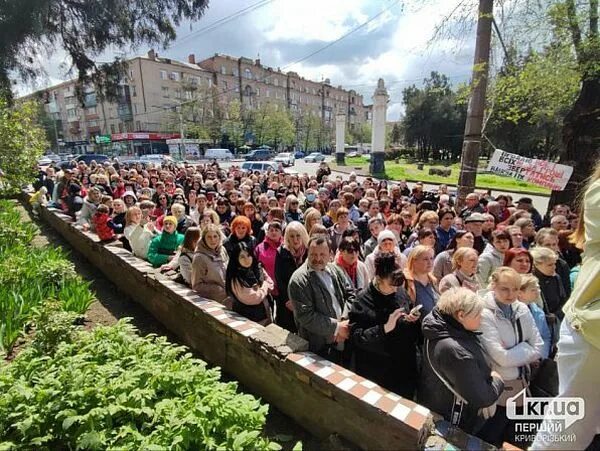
column 319, row 291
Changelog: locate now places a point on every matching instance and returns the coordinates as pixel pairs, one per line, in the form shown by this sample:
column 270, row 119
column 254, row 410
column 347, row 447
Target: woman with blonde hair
column 292, row 209
column 312, row 216
column 552, row 289
column 331, row 217
column 138, row 235
column 464, row 266
column 512, row 341
column 289, row 257
column 208, row 216
column 425, row 219
column 421, row 284
column 210, row 265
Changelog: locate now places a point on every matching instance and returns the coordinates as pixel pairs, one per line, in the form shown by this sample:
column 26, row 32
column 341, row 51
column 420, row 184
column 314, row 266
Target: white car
column 218, row 154
column 314, row 157
column 155, row 158
column 286, row 158
column 47, row 159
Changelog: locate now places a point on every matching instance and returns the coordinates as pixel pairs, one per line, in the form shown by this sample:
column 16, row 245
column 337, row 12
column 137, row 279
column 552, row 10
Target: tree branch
column 593, row 18
column 574, row 27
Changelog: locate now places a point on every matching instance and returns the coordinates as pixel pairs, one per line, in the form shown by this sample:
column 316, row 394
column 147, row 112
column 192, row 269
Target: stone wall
column 275, row 364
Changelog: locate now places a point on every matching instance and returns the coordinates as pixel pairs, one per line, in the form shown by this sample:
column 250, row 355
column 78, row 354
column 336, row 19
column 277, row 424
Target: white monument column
column 340, row 138
column 380, row 99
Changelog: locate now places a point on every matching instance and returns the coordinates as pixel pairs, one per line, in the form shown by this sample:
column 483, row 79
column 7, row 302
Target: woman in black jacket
column 289, row 257
column 385, row 332
column 452, row 352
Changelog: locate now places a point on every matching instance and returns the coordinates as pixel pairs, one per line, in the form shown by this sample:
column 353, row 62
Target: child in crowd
column 185, row 256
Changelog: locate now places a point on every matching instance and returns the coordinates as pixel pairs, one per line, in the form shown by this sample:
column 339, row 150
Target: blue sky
column 396, row 46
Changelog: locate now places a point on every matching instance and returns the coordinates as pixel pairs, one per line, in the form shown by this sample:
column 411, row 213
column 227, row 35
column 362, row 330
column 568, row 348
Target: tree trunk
column 581, row 141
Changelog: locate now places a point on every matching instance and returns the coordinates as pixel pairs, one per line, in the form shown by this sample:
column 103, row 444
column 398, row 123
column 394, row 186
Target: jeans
column 578, row 371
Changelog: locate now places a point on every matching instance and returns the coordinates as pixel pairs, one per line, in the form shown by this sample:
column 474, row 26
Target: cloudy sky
column 395, row 46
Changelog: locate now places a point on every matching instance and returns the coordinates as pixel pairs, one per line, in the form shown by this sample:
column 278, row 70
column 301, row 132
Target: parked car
column 218, row 154
column 87, row 159
column 156, row 158
column 259, row 155
column 286, row 158
column 47, row 159
column 314, row 157
column 299, row 155
column 261, row 166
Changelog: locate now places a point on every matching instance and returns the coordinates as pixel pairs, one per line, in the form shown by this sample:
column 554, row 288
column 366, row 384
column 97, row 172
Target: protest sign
column 539, row 172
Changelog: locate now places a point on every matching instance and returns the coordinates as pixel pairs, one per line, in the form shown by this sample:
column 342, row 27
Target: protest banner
column 539, row 172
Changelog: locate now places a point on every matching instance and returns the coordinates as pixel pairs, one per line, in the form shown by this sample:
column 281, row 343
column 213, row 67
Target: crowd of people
column 453, row 308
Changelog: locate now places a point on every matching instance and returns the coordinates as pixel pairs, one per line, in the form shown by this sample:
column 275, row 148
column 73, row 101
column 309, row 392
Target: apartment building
column 154, row 87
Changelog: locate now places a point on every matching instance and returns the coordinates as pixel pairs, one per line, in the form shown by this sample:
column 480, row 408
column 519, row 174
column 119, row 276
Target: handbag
column 544, row 380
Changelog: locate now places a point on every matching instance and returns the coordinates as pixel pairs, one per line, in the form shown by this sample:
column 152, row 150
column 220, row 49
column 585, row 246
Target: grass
column 409, row 171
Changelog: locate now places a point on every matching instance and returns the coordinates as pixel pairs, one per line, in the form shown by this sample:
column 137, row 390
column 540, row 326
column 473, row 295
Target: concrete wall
column 321, row 396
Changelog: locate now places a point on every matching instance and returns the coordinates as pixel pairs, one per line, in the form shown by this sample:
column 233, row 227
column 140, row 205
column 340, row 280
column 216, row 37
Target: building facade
column 154, row 87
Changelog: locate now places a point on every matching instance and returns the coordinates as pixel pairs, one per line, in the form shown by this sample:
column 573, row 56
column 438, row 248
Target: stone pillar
column 380, row 99
column 340, row 138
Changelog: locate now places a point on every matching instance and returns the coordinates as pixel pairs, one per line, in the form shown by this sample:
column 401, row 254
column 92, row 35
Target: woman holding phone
column 385, row 330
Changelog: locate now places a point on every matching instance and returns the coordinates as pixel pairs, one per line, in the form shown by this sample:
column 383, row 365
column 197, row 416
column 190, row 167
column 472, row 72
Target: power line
column 216, row 24
column 328, row 45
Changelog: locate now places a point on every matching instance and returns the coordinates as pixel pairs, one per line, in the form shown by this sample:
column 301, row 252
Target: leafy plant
column 111, row 389
column 75, row 295
column 54, row 326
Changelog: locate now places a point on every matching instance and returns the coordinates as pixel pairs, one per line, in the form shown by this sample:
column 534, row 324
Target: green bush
column 31, row 276
column 111, row 389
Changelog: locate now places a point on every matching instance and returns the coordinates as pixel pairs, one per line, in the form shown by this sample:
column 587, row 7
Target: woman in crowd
column 184, row 258
column 529, row 294
column 426, row 219
column 342, row 224
column 386, row 243
column 347, row 259
column 209, row 216
column 425, row 237
column 518, row 259
column 184, row 222
column 164, row 246
column 464, row 264
column 241, row 231
column 250, row 212
column 457, row 380
column 162, row 207
column 249, row 285
column 552, row 289
column 385, row 332
column 493, row 256
column 209, row 266
column 331, row 217
column 289, row 257
column 90, row 203
column 445, row 232
column 312, row 216
column 511, row 339
column 139, row 235
column 420, row 283
column 266, row 252
column 292, row 209
column 442, row 265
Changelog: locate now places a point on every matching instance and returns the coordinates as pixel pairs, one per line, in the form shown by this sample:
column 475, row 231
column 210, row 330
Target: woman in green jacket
column 164, row 246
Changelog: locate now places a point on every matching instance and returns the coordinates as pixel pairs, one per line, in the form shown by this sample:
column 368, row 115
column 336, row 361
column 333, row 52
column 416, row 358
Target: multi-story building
column 154, row 87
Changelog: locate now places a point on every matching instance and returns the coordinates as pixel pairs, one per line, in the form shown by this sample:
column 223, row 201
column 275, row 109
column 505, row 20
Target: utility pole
column 182, row 136
column 474, row 124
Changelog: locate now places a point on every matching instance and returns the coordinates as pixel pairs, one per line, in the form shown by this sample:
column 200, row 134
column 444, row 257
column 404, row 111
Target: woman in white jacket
column 512, row 341
column 139, row 235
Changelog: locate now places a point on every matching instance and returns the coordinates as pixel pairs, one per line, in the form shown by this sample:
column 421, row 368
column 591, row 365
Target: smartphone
column 416, row 311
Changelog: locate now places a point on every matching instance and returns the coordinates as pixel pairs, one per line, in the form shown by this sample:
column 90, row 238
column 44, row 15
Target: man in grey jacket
column 319, row 292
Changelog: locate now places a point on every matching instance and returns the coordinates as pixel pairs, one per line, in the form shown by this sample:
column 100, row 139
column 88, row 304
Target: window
column 72, row 113
column 91, row 110
column 314, row 92
column 175, row 76
column 133, row 91
column 189, row 95
column 257, row 92
column 276, row 94
column 268, row 93
column 178, row 93
column 165, row 91
column 138, row 125
column 209, row 83
column 276, row 81
column 163, row 74
column 92, row 123
column 223, row 70
column 135, row 108
column 235, row 72
column 112, row 128
column 225, row 85
column 131, row 74
column 247, row 74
